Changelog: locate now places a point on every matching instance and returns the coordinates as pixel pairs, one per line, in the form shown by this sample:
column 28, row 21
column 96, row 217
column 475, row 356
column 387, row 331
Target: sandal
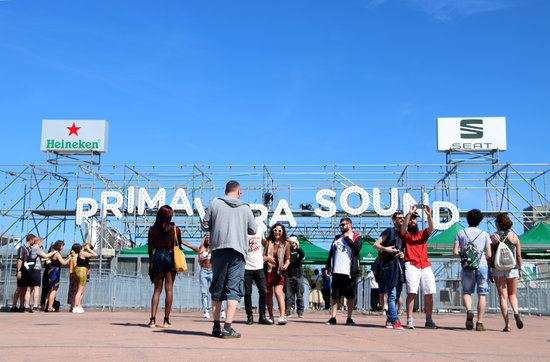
column 152, row 322
column 166, row 323
column 507, row 329
column 519, row 323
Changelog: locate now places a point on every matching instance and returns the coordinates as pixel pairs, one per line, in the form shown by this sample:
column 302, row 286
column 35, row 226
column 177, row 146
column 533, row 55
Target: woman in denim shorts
column 507, row 281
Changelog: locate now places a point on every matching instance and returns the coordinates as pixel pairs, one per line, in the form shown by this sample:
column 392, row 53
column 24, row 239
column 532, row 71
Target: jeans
column 393, row 296
column 258, row 277
column 294, row 290
column 205, row 277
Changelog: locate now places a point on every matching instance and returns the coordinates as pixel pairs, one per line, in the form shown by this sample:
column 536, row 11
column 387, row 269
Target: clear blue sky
column 294, row 82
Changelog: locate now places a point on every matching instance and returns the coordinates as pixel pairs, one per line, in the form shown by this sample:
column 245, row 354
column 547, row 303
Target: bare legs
column 481, row 303
column 507, row 290
column 230, row 308
column 78, row 296
column 280, row 300
column 51, row 297
column 160, row 279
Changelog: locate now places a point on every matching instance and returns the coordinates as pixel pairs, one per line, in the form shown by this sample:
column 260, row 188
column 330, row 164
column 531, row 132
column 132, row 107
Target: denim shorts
column 508, row 274
column 471, row 278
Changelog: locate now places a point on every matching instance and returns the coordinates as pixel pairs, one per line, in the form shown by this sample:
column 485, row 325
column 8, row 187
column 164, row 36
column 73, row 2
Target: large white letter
column 327, row 203
column 80, row 213
column 279, row 217
column 115, row 208
column 131, row 201
column 185, row 205
column 158, row 201
column 200, row 208
column 363, row 196
column 408, row 202
column 455, row 215
column 377, row 204
column 262, row 228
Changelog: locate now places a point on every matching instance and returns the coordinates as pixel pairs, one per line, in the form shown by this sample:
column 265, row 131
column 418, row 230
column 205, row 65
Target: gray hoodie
column 229, row 221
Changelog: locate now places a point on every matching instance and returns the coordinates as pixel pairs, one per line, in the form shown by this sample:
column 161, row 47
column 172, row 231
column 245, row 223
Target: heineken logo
column 74, row 135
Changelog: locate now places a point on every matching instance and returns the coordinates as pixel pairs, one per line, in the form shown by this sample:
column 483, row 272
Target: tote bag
column 179, row 258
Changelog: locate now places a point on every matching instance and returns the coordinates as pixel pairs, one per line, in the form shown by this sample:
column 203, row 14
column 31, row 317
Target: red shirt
column 416, row 251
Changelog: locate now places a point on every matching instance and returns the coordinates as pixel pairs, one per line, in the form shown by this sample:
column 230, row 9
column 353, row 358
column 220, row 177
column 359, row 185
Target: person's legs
column 269, row 300
column 28, row 297
column 51, row 297
column 503, row 299
column 289, row 293
column 205, row 278
column 300, row 296
column 481, row 304
column 392, row 308
column 467, row 299
column 410, row 305
column 428, row 305
column 17, row 297
column 158, row 282
column 261, row 284
column 79, row 295
column 248, row 279
column 280, row 299
column 511, row 286
column 482, row 291
column 169, row 278
column 36, row 296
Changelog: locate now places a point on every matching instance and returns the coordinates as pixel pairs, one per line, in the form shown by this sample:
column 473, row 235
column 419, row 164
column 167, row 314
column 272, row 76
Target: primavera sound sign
column 74, row 136
column 138, row 200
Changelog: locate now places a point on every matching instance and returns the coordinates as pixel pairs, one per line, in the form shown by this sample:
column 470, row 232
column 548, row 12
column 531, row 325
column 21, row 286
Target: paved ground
column 123, row 336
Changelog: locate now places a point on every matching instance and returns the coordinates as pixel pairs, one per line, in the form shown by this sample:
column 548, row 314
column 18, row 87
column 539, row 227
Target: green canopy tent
column 313, row 254
column 443, row 243
column 535, row 243
column 143, row 249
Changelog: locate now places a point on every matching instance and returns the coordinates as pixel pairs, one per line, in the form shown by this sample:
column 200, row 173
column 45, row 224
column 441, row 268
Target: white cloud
column 448, row 9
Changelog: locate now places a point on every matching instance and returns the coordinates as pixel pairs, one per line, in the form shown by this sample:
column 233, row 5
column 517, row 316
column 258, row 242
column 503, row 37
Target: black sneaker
column 216, row 332
column 430, row 325
column 264, row 320
column 21, row 309
column 469, row 320
column 249, row 320
column 350, row 322
column 331, row 322
column 14, row 309
column 230, row 334
column 28, row 310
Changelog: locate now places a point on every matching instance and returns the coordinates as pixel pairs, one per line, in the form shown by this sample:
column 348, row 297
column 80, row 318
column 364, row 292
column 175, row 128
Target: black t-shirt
column 295, row 266
column 392, row 239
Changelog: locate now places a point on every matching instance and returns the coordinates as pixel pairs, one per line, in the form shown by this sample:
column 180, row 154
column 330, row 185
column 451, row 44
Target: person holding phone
column 81, row 273
column 418, row 270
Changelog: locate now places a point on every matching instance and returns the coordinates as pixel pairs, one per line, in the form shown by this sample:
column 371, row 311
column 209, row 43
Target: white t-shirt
column 254, row 258
column 342, row 257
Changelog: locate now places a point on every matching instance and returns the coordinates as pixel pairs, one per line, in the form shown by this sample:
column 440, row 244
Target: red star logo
column 73, row 129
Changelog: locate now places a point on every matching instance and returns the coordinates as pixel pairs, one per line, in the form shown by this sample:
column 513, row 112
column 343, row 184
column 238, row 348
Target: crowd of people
column 38, row 269
column 234, row 256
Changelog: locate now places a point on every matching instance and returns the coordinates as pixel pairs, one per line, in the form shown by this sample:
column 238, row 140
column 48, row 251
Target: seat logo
column 471, row 128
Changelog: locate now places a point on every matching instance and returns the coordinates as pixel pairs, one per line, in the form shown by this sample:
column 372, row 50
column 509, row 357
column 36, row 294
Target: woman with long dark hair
column 81, row 272
column 277, row 259
column 507, row 281
column 54, row 274
column 161, row 240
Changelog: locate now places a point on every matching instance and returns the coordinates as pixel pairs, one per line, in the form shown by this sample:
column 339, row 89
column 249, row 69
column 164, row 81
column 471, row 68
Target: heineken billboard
column 74, row 135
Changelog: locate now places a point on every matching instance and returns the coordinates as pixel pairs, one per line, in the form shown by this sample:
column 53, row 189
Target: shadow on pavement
column 189, row 333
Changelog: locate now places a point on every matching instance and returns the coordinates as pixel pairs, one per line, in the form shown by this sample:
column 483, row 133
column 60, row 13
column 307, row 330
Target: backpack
column 470, row 256
column 505, row 259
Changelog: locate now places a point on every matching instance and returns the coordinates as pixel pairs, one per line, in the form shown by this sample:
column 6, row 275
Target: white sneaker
column 78, row 310
column 222, row 314
column 206, row 315
column 282, row 321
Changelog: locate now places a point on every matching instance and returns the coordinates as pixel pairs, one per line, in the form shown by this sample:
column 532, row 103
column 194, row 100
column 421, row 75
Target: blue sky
column 280, row 82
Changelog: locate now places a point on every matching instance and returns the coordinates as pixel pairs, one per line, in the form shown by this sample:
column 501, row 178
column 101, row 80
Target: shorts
column 81, row 273
column 414, row 276
column 471, row 278
column 274, row 279
column 163, row 261
column 343, row 285
column 25, row 280
column 227, row 275
column 508, row 274
column 35, row 278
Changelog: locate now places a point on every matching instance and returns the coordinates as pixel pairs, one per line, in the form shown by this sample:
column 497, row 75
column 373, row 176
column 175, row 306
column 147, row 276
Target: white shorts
column 416, row 275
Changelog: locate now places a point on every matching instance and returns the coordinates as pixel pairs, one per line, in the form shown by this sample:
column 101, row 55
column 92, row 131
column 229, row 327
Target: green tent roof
column 313, row 254
column 444, row 240
column 536, row 238
column 143, row 249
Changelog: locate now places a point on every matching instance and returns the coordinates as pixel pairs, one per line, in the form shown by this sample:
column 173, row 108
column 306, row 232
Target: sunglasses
column 344, row 224
column 277, row 230
column 400, row 218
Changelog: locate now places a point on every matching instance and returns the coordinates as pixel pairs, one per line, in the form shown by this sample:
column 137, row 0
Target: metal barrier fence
column 110, row 290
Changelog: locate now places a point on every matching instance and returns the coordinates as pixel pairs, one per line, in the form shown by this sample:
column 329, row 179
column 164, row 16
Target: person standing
column 343, row 264
column 254, row 273
column 294, row 280
column 277, row 259
column 507, row 280
column 229, row 221
column 54, row 275
column 73, row 284
column 315, row 287
column 81, row 272
column 374, row 292
column 34, row 265
column 161, row 239
column 392, row 268
column 23, row 277
column 325, row 291
column 418, row 270
column 473, row 246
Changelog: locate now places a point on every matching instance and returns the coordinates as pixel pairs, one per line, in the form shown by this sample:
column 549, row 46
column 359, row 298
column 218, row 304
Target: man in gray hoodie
column 229, row 221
